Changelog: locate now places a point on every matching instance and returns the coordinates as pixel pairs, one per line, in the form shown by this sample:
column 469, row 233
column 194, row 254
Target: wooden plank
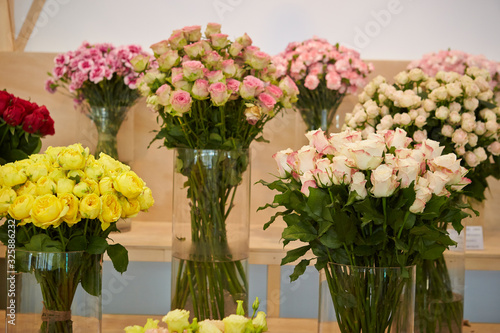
column 12, row 18
column 6, row 31
column 28, row 25
column 273, row 290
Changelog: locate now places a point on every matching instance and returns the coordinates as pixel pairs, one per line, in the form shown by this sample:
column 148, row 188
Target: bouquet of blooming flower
column 22, row 125
column 375, row 202
column 178, row 322
column 457, row 61
column 66, row 200
column 456, row 110
column 101, row 77
column 211, row 93
column 324, row 74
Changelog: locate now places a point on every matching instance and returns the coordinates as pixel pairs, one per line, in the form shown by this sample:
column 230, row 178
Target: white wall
column 379, row 29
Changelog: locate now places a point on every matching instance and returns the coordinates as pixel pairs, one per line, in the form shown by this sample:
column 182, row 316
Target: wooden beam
column 28, row 25
column 6, row 32
column 12, row 19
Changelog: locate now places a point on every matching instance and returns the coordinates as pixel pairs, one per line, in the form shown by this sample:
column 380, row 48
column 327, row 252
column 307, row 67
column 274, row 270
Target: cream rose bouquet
column 66, row 200
column 374, row 202
column 211, row 94
column 177, row 321
column 324, row 74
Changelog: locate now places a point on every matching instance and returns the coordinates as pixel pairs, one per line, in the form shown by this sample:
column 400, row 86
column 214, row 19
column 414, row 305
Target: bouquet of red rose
column 22, row 125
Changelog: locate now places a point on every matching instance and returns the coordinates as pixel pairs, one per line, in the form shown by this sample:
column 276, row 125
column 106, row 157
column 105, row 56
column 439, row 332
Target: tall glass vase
column 319, row 118
column 210, row 236
column 53, row 292
column 366, row 299
column 440, row 290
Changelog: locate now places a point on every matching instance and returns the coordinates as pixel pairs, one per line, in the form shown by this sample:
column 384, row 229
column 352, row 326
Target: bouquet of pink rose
column 324, row 74
column 215, row 96
column 101, row 77
column 375, row 202
column 22, row 125
column 457, row 61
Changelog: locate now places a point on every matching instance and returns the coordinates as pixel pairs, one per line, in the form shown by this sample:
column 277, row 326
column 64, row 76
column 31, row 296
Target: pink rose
column 288, row 87
column 318, row 140
column 460, row 137
column 274, row 91
column 311, row 82
column 251, row 86
column 244, row 40
column 259, row 60
column 281, row 160
column 192, row 33
column 212, row 28
column 233, row 85
column 214, row 76
column 212, row 60
column 471, row 159
column 194, row 50
column 168, row 60
column 218, row 93
column 266, row 102
column 200, row 89
column 180, row 101
column 494, row 148
column 228, row 68
column 219, row 41
column 160, row 47
column 384, row 182
column 306, row 185
column 179, row 82
column 192, row 70
column 235, row 49
column 253, row 114
column 358, row 185
column 163, row 94
column 367, row 154
column 177, row 40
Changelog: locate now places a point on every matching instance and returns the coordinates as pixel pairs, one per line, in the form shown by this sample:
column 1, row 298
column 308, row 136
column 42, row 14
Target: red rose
column 39, row 121
column 14, row 115
column 28, row 106
column 5, row 99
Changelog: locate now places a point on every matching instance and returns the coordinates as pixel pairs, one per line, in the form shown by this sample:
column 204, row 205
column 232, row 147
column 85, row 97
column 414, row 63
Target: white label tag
column 474, row 238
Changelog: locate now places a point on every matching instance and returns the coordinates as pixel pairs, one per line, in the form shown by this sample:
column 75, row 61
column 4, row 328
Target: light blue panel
column 482, row 296
column 257, row 286
column 299, row 299
column 143, row 289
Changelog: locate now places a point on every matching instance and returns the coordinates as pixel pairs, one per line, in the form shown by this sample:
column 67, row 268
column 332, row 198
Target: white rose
column 454, row 89
column 429, row 105
column 405, row 119
column 348, row 116
column 418, row 206
column 384, row 182
column 360, row 117
column 472, row 139
column 408, row 170
column 437, row 181
column 416, row 74
column 385, row 123
column 421, row 121
column 491, row 126
column 431, row 149
column 471, row 159
column 447, row 130
column 318, row 140
column 397, row 138
column 390, row 160
column 378, row 80
column 322, row 178
column 460, row 150
column 382, row 98
column 397, row 118
column 413, row 114
column 449, row 165
column 305, row 159
column 488, row 114
column 370, row 89
column 459, row 137
column 480, row 128
column 442, row 112
column 363, row 97
column 480, row 154
column 367, row 154
column 439, row 94
column 432, row 84
column 471, row 104
column 401, row 78
column 455, row 107
column 358, row 185
column 450, row 76
column 482, row 84
column 486, row 95
column 468, row 122
column 420, row 136
column 281, row 161
column 384, row 110
column 367, row 131
column 494, row 148
column 373, row 111
column 471, row 89
column 341, row 170
column 455, row 117
column 408, row 99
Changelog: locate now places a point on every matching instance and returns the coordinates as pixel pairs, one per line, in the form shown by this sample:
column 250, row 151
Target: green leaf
column 433, row 252
column 119, row 256
column 78, row 243
column 92, row 283
column 331, row 239
column 317, row 200
column 97, row 245
column 299, row 269
column 295, row 254
column 43, row 243
column 301, row 231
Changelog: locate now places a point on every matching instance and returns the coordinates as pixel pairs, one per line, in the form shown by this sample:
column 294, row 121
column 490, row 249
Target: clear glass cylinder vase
column 56, row 292
column 357, row 299
column 210, row 233
column 318, row 118
column 440, row 288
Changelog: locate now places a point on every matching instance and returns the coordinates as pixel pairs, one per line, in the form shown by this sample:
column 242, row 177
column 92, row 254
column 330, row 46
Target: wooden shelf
column 116, row 324
column 151, row 241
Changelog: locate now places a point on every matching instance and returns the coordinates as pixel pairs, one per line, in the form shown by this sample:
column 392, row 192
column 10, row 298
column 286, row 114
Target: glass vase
column 440, row 290
column 210, row 233
column 366, row 299
column 53, row 292
column 317, row 118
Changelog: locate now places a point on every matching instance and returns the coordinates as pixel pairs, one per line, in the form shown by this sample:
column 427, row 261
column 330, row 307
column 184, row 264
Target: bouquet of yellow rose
column 66, row 200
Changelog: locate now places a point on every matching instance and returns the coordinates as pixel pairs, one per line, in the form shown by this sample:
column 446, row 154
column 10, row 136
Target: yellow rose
column 27, row 188
column 81, row 189
column 146, row 199
column 53, row 153
column 57, row 174
column 11, row 176
column 106, row 185
column 36, row 171
column 65, row 185
column 72, row 215
column 7, row 196
column 177, row 320
column 47, row 211
column 129, row 184
column 90, row 206
column 130, row 207
column 73, row 157
column 76, row 175
column 111, row 210
column 45, row 185
column 21, row 207
column 111, row 166
column 94, row 171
